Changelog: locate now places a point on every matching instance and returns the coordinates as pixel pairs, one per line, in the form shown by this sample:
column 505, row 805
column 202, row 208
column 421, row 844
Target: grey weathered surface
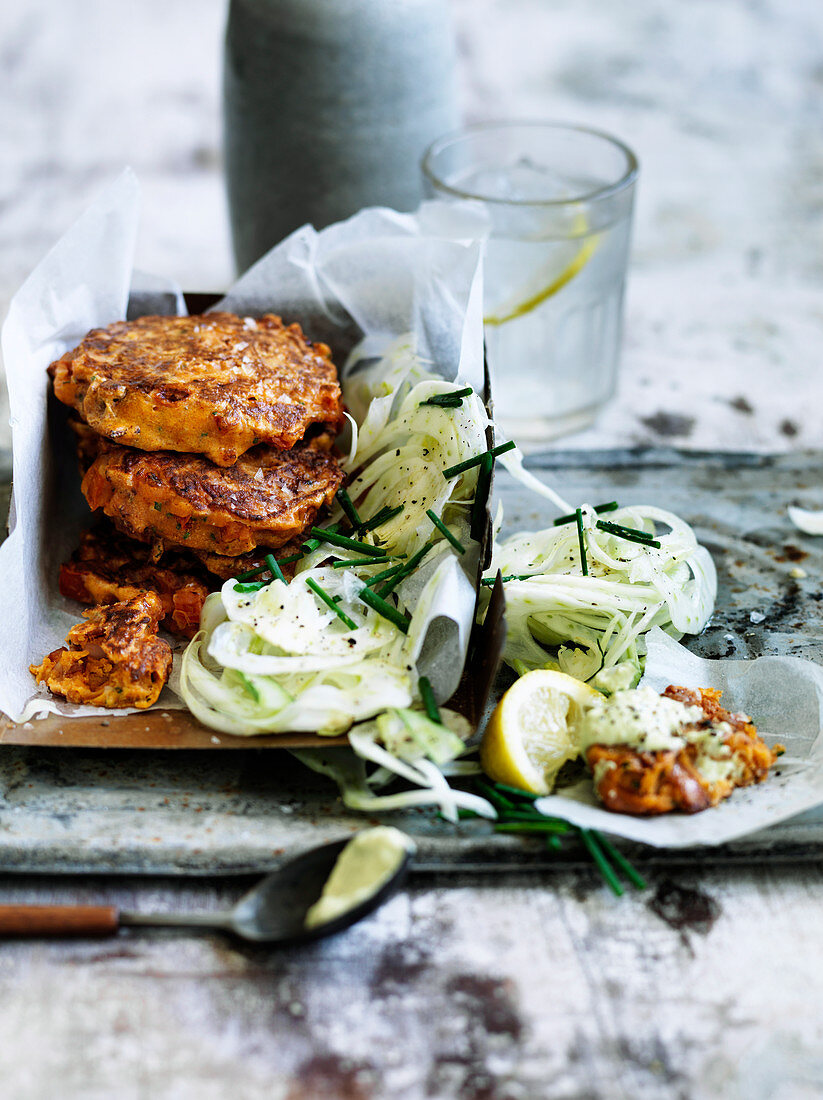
column 533, row 986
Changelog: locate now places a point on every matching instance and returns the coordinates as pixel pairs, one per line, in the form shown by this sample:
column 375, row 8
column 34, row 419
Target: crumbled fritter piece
column 267, row 498
column 648, row 783
column 113, row 659
column 216, row 384
column 108, row 567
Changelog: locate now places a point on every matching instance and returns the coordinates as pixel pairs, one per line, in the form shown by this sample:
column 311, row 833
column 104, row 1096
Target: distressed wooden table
column 708, row 984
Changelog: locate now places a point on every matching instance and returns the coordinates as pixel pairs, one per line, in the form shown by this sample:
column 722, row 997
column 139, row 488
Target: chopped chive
column 449, row 400
column 516, row 790
column 488, row 582
column 312, row 544
column 581, row 539
column 291, row 558
column 630, row 534
column 616, row 856
column 274, row 568
column 356, row 561
column 385, row 574
column 554, row 842
column 251, row 573
column 158, row 507
column 553, row 827
column 379, row 605
column 408, row 568
column 334, row 539
column 329, row 602
column 406, row 571
column 498, row 800
column 429, row 701
column 603, row 865
column 255, row 586
column 467, row 464
column 610, row 506
column 445, row 402
column 381, row 517
column 481, row 498
column 347, row 504
column 444, row 530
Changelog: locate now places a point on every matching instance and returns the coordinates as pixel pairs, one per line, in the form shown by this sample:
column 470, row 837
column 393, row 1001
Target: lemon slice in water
column 532, row 734
column 547, row 281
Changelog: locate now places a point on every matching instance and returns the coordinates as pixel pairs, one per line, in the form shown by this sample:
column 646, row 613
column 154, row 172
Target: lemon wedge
column 532, row 732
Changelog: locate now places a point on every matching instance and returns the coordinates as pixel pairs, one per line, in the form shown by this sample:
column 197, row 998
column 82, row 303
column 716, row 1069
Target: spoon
column 273, row 911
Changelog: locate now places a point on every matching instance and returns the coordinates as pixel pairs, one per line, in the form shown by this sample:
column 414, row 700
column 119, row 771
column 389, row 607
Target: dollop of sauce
column 366, row 864
column 647, row 722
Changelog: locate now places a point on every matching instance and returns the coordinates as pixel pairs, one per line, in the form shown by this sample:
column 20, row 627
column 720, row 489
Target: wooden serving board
column 154, row 729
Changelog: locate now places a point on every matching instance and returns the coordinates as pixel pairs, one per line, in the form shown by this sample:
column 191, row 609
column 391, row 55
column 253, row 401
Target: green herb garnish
column 313, row 544
column 603, row 865
column 610, row 506
column 347, row 504
column 378, row 604
column 444, row 530
column 517, row 814
column 332, row 537
column 406, row 571
column 255, row 586
column 274, row 568
column 630, row 534
column 385, row 574
column 581, row 541
column 429, row 701
column 617, row 857
column 356, row 561
column 329, row 602
column 451, row 400
column 381, row 517
column 467, row 464
column 488, row 582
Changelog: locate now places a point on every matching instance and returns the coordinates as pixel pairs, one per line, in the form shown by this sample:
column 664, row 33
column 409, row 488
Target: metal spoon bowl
column 274, row 911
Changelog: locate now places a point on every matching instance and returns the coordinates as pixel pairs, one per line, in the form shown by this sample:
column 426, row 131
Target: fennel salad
column 336, row 648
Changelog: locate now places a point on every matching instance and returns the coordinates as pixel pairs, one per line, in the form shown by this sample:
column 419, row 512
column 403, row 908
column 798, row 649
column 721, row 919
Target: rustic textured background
column 710, row 983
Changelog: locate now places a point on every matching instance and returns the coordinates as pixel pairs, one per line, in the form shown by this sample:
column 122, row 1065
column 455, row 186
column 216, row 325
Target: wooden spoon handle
column 58, row 920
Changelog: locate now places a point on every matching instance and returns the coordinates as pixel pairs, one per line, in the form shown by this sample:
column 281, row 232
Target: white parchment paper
column 784, row 697
column 371, row 279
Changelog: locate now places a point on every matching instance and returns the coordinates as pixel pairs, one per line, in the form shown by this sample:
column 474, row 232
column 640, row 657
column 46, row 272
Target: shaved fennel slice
column 560, row 618
column 291, row 618
column 810, row 523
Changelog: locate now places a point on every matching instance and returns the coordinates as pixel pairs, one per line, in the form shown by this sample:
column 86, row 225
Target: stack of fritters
column 207, row 442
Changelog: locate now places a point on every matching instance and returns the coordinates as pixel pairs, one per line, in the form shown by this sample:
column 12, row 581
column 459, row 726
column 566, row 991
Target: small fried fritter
column 113, row 659
column 629, row 781
column 107, row 568
column 216, row 384
column 267, row 498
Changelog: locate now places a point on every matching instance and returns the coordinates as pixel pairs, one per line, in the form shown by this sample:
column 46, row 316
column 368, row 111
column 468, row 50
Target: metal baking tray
column 197, row 812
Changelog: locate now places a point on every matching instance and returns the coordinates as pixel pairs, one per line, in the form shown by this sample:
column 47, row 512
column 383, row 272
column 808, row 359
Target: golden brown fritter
column 113, row 659
column 107, row 568
column 649, row 783
column 267, row 498
column 215, row 384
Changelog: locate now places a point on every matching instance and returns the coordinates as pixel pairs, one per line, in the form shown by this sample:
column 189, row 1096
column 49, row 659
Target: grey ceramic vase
column 328, row 107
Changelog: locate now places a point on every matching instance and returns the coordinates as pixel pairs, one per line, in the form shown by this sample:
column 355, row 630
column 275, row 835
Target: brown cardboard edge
column 179, row 729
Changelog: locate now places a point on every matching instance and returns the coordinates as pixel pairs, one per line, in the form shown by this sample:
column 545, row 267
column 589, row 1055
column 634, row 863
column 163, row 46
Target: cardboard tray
column 157, row 728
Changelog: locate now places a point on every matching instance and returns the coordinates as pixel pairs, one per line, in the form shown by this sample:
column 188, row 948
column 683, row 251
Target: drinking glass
column 559, row 204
